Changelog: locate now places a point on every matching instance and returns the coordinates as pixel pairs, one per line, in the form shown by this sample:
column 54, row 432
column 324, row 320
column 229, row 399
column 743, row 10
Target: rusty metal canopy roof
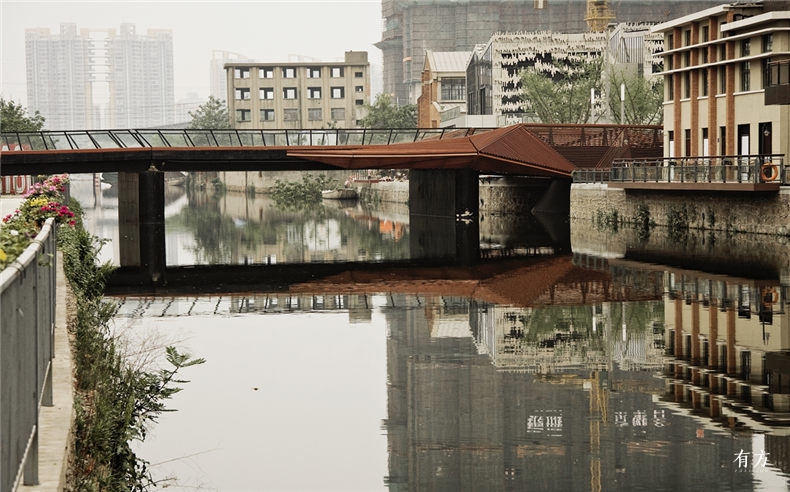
column 509, row 150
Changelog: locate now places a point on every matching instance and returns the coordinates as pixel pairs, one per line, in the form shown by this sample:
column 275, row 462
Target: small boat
column 340, row 194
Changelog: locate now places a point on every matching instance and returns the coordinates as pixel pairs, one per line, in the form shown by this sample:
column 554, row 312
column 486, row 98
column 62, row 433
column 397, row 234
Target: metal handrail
column 751, row 169
column 126, row 138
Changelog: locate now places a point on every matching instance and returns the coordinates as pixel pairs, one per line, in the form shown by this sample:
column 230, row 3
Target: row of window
column 745, row 48
column 313, row 114
column 745, row 80
column 290, row 72
column 744, row 137
column 245, row 93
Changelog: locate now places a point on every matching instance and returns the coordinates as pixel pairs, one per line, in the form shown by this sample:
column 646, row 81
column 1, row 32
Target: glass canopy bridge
column 513, row 150
column 150, row 138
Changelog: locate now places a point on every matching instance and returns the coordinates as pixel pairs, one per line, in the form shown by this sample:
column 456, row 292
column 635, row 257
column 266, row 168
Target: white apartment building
column 100, row 78
column 301, row 95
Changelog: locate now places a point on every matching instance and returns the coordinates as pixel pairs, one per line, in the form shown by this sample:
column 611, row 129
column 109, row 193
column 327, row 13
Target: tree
column 644, row 99
column 383, row 113
column 562, row 95
column 14, row 118
column 211, row 115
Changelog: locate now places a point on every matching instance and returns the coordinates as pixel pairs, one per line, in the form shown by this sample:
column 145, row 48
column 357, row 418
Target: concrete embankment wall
column 746, row 212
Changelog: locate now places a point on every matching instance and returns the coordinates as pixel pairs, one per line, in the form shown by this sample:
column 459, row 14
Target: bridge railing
column 750, row 169
column 113, row 139
column 27, row 289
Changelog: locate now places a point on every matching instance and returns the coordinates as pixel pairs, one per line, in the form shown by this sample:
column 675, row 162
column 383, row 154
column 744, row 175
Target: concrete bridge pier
column 141, row 223
column 443, row 214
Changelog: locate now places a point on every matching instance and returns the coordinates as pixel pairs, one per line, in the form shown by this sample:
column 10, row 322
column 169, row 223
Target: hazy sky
column 263, row 30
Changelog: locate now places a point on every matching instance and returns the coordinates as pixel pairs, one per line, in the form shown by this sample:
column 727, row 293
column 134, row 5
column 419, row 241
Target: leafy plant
column 290, row 194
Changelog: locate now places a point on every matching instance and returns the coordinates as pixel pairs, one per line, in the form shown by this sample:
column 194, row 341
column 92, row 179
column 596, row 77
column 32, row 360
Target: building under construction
column 413, row 26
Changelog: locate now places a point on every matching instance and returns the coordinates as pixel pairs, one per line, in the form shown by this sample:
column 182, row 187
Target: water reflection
column 620, row 379
column 592, row 371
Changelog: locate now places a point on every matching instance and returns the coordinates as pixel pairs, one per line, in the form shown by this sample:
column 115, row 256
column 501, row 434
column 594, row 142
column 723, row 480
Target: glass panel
column 200, row 138
column 104, row 140
column 403, row 136
column 10, row 142
column 82, row 140
column 297, row 137
column 33, row 141
column 153, row 138
column 324, row 137
column 350, row 137
column 127, row 139
column 430, row 134
column 176, row 138
column 59, row 141
column 251, row 138
column 226, row 138
column 377, row 137
column 274, row 137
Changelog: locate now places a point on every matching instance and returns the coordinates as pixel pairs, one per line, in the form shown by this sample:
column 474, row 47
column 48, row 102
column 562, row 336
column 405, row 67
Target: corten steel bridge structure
column 444, row 164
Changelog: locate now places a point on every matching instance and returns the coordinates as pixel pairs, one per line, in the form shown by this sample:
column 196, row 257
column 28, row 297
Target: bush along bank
column 115, row 402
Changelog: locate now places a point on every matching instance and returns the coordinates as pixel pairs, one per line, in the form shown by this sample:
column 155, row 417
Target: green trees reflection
column 233, row 228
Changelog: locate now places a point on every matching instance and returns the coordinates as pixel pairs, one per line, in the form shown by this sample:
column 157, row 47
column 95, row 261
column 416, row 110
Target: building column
column 443, row 214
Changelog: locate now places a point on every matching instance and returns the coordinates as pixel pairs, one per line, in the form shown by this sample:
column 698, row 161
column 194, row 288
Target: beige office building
column 299, row 95
column 718, row 65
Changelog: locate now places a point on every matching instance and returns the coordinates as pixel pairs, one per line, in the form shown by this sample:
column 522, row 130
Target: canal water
column 631, row 362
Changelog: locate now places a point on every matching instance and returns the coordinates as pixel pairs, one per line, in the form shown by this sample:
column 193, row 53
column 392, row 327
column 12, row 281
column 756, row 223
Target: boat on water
column 340, row 194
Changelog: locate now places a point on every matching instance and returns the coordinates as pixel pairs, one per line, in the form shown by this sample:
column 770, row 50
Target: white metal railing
column 751, row 169
column 27, row 336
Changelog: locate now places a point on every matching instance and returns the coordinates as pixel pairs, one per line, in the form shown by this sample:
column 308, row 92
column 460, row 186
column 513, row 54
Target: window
column 358, row 75
column 338, row 92
column 267, row 115
column 289, row 92
column 687, row 145
column 745, row 48
column 722, row 52
column 670, row 87
column 242, row 115
column 289, row 73
column 359, row 102
column 768, row 43
column 745, row 76
column 337, row 72
column 266, row 92
column 687, row 37
column 266, row 73
column 703, row 55
column 290, row 115
column 722, row 80
column 338, row 113
column 686, row 85
column 705, row 33
column 359, row 89
column 314, row 114
column 242, row 93
column 453, row 89
column 241, row 73
column 313, row 73
column 313, row 93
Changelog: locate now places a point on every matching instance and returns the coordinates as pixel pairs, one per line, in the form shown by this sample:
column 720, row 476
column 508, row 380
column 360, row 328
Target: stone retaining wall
column 747, row 212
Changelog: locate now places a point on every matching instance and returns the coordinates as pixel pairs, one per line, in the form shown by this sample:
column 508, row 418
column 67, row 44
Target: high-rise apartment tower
column 100, row 78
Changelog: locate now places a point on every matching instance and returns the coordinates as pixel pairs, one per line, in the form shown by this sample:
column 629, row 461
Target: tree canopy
column 383, row 113
column 15, row 118
column 562, row 96
column 644, row 99
column 213, row 115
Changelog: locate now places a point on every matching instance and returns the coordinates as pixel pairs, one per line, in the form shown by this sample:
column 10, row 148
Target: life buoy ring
column 769, row 172
column 770, row 296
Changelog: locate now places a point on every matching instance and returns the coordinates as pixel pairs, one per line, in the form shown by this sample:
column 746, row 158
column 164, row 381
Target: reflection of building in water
column 359, row 307
column 729, row 338
column 457, row 422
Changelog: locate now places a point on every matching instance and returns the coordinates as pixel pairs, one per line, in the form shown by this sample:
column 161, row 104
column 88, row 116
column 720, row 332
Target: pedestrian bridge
column 513, row 150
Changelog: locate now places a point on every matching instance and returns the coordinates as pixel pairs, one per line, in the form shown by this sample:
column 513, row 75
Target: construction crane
column 598, row 15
